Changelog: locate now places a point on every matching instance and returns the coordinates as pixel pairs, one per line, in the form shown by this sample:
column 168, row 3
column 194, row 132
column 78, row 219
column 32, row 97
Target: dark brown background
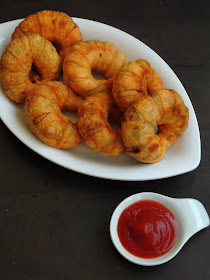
column 54, row 223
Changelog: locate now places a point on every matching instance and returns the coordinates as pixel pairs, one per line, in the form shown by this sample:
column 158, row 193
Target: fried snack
column 91, row 55
column 17, row 60
column 43, row 114
column 57, row 27
column 163, row 108
column 135, row 79
column 94, row 127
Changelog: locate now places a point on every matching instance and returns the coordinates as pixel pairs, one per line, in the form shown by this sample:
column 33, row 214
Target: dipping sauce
column 147, row 229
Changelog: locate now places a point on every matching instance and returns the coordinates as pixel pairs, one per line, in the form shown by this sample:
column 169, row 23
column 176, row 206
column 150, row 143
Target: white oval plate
column 182, row 157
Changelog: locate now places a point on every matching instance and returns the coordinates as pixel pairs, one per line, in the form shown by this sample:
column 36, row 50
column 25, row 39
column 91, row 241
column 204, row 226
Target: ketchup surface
column 147, row 229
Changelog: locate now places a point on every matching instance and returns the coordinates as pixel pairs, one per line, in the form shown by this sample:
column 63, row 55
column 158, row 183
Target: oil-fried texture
column 43, row 114
column 54, row 26
column 134, row 79
column 94, row 127
column 163, row 108
column 91, row 55
column 17, row 60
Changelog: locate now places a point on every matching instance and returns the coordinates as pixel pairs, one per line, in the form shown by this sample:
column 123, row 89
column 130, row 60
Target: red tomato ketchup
column 147, row 229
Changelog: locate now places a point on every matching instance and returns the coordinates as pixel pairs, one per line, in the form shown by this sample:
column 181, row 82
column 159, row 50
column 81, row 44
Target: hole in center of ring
column 97, row 75
column 156, row 128
column 34, row 74
column 72, row 116
column 55, row 45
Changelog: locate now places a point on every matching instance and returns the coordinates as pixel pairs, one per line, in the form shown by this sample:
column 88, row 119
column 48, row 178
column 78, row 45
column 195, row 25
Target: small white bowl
column 190, row 216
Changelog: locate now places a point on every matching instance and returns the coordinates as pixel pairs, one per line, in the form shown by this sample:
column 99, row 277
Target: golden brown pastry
column 56, row 27
column 16, row 63
column 43, row 114
column 134, row 79
column 91, row 55
column 94, row 127
column 163, row 108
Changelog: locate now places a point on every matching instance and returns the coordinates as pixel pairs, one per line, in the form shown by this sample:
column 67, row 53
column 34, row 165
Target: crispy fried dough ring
column 17, row 60
column 91, row 55
column 43, row 114
column 164, row 108
column 135, row 78
column 94, row 127
column 54, row 26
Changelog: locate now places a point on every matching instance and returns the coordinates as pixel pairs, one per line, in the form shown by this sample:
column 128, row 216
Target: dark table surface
column 54, row 223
